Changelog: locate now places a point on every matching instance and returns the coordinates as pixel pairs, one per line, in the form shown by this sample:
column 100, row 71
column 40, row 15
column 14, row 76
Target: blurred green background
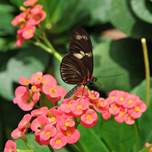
column 115, row 27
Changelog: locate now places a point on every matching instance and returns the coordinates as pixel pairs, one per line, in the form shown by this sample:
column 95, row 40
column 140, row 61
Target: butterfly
column 77, row 65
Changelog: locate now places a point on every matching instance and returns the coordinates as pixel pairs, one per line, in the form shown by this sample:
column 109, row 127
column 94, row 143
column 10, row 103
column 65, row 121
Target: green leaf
column 121, row 56
column 6, row 18
column 118, row 137
column 140, row 90
column 122, row 17
column 142, row 9
column 6, row 87
column 17, row 3
column 27, row 62
column 6, row 44
column 90, row 140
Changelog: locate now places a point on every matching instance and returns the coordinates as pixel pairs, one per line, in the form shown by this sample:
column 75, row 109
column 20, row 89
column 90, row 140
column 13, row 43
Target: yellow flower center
column 137, row 109
column 26, row 81
column 115, row 108
column 121, row 98
column 79, row 107
column 20, row 95
column 30, row 31
column 112, row 97
column 68, row 105
column 130, row 101
column 67, row 124
column 89, row 117
column 36, row 10
column 48, row 133
column 52, row 91
column 93, row 96
column 129, row 118
column 68, row 132
column 52, row 119
column 43, row 83
column 122, row 113
column 38, row 78
column 33, row 88
column 58, row 141
column 80, row 93
column 28, row 101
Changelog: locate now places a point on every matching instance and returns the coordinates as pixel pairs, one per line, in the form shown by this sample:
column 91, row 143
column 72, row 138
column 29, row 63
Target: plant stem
column 51, row 149
column 147, row 70
column 54, row 52
column 26, row 142
column 136, row 136
column 80, row 146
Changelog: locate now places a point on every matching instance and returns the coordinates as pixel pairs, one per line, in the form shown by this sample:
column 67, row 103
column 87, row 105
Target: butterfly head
column 94, row 79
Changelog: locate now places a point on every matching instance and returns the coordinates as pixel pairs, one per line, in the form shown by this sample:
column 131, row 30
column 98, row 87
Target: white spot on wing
column 78, row 55
column 79, row 37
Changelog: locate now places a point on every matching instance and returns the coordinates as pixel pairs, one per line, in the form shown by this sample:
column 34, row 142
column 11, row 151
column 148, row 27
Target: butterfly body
column 77, row 66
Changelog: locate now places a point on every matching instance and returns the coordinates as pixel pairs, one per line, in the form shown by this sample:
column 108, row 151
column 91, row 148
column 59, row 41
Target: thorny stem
column 147, row 70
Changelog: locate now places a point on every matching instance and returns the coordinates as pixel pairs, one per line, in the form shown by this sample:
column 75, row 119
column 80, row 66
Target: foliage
column 132, row 17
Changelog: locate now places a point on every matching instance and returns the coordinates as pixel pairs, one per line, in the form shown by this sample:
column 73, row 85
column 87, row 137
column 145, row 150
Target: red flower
column 29, row 2
column 18, row 133
column 38, row 112
column 25, row 122
column 24, row 81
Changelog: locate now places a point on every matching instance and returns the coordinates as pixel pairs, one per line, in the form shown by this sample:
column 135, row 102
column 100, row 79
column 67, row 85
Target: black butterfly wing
column 72, row 70
column 81, row 47
column 77, row 65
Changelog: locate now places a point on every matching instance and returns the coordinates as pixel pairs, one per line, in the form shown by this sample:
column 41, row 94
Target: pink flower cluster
column 28, row 20
column 124, row 106
column 27, row 95
column 58, row 126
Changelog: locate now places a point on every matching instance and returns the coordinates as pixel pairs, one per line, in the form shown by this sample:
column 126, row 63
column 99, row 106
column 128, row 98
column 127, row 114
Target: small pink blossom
column 89, row 119
column 10, row 146
column 129, row 120
column 59, row 141
column 38, row 112
column 72, row 135
column 27, row 102
column 131, row 100
column 29, row 2
column 93, row 95
column 48, row 132
column 79, row 107
column 65, row 106
column 36, row 9
column 114, row 109
column 66, row 123
column 48, row 79
column 112, row 95
column 53, row 116
column 121, row 115
column 101, row 105
column 28, row 32
column 18, row 133
column 106, row 115
column 81, row 92
column 39, row 123
column 36, row 78
column 41, row 142
column 19, row 92
column 19, row 19
column 137, row 110
column 120, row 98
column 25, row 122
column 24, row 81
column 39, row 17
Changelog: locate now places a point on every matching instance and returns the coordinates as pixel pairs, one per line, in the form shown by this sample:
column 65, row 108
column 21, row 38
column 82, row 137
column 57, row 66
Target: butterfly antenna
column 111, row 75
